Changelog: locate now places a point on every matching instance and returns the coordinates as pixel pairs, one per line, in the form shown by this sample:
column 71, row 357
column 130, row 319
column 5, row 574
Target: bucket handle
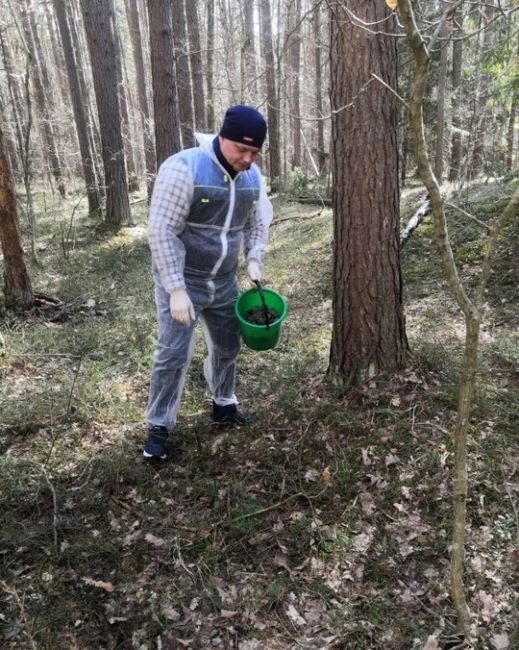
column 263, row 303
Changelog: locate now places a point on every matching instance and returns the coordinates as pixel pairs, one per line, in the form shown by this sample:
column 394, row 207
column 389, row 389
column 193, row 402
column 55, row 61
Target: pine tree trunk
column 510, row 137
column 440, row 110
column 197, row 68
column 321, row 154
column 185, row 92
column 126, row 131
column 483, row 95
column 78, row 107
column 102, row 44
column 39, row 84
column 210, row 65
column 457, row 57
column 248, row 55
column 368, row 324
column 167, row 128
column 272, row 113
column 294, row 55
column 74, row 19
column 17, row 284
column 134, row 27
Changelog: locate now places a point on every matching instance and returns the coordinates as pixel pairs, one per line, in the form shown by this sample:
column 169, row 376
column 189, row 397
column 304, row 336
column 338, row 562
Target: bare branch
column 470, row 216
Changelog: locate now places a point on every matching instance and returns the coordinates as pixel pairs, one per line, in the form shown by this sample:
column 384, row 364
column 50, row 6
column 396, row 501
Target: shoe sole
column 147, row 455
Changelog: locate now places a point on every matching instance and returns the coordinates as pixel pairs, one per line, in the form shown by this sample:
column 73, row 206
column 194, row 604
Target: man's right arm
column 169, row 208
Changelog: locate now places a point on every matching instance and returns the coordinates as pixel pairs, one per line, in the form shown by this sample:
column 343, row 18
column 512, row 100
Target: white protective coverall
column 199, row 219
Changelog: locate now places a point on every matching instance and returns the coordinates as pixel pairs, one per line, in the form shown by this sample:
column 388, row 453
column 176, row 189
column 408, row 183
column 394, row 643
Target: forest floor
column 325, row 524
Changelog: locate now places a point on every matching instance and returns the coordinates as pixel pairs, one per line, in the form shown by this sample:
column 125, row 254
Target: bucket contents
column 258, row 316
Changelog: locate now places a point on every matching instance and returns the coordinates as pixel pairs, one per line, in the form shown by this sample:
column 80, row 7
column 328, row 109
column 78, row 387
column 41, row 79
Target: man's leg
column 170, row 364
column 222, row 337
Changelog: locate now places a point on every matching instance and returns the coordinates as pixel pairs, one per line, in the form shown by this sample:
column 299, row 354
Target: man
column 207, row 201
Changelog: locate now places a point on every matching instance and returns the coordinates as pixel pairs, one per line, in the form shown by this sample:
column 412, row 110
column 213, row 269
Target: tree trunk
column 185, row 92
column 22, row 113
column 509, row 161
column 197, row 68
column 510, row 136
column 294, row 56
column 321, row 154
column 248, row 55
column 440, row 109
column 17, row 284
column 368, row 323
column 124, row 95
column 483, row 94
column 40, row 83
column 457, row 57
column 78, row 106
column 73, row 13
column 134, row 23
column 167, row 128
column 272, row 113
column 102, row 45
column 210, row 65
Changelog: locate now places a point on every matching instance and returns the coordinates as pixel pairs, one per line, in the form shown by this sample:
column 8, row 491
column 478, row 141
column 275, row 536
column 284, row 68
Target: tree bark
column 41, row 83
column 457, row 57
column 248, row 55
column 272, row 104
column 197, row 68
column 210, row 65
column 440, row 109
column 102, row 45
column 167, row 128
column 124, row 96
column 321, row 154
column 134, row 23
column 368, row 333
column 185, row 92
column 17, row 284
column 294, row 56
column 78, row 107
column 483, row 94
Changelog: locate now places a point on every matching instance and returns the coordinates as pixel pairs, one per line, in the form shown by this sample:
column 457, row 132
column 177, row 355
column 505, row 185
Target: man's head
column 242, row 135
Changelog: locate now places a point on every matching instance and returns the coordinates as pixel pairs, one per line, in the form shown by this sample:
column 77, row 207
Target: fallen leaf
column 227, row 613
column 431, row 643
column 217, row 443
column 280, row 559
column 107, row 586
column 325, row 475
column 500, row 641
column 295, row 616
column 367, row 503
column 391, row 459
column 311, row 475
column 155, row 541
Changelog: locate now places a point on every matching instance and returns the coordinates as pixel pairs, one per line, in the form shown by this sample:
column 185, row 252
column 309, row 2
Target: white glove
column 181, row 307
column 254, row 271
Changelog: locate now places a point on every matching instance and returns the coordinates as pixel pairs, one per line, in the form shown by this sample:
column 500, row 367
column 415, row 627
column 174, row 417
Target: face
column 239, row 156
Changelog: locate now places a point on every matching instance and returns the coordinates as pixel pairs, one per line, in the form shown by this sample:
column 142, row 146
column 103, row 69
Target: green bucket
column 260, row 337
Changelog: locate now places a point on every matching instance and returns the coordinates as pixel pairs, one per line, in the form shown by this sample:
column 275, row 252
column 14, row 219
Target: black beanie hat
column 244, row 124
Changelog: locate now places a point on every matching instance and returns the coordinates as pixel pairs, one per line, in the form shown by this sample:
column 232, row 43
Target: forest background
column 328, row 523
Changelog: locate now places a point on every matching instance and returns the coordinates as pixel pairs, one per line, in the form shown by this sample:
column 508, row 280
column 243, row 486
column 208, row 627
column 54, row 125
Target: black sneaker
column 230, row 415
column 155, row 446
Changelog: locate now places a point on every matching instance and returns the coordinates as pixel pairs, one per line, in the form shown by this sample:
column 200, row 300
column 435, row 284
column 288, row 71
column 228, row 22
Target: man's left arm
column 256, row 232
